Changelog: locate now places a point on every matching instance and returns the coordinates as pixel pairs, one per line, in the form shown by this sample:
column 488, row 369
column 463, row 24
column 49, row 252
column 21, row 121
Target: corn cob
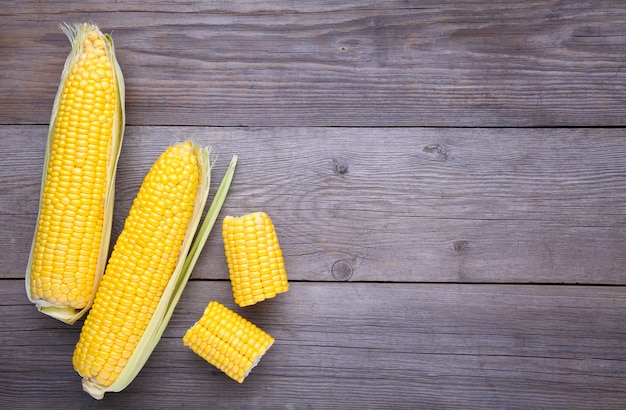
column 255, row 260
column 148, row 268
column 71, row 239
column 228, row 341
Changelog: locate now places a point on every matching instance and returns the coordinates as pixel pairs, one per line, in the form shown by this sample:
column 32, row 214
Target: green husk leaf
column 76, row 35
column 171, row 296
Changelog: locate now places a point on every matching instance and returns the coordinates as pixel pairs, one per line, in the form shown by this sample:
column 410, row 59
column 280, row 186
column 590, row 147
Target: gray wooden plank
column 355, row 345
column 402, row 204
column 342, row 64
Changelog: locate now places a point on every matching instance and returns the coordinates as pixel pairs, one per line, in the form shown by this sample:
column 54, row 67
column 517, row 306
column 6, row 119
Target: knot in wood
column 340, row 167
column 436, row 151
column 460, row 246
column 342, row 270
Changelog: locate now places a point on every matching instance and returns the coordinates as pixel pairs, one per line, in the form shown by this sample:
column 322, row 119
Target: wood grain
column 439, row 346
column 402, row 204
column 365, row 63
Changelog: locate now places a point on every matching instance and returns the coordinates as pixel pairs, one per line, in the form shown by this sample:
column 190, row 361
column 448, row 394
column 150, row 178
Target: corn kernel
column 138, row 272
column 255, row 260
column 68, row 190
column 228, row 341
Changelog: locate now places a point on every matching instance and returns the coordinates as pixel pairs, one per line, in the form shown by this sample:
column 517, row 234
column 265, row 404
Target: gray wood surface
column 401, row 205
column 447, row 180
column 340, row 63
column 355, row 346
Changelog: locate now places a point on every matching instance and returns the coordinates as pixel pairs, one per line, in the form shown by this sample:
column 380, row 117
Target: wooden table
column 447, row 179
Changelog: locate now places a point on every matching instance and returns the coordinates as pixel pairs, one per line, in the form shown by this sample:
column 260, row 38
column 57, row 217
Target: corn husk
column 189, row 254
column 76, row 35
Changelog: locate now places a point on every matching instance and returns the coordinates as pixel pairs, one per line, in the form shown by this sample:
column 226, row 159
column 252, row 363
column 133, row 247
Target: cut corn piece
column 255, row 260
column 148, row 268
column 228, row 341
column 71, row 241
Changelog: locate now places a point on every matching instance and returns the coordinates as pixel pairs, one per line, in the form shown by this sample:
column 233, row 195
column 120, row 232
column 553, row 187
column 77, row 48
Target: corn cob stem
column 72, row 235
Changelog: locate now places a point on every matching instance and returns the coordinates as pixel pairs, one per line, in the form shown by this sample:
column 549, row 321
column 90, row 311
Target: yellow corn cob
column 145, row 270
column 73, row 229
column 255, row 260
column 228, row 341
